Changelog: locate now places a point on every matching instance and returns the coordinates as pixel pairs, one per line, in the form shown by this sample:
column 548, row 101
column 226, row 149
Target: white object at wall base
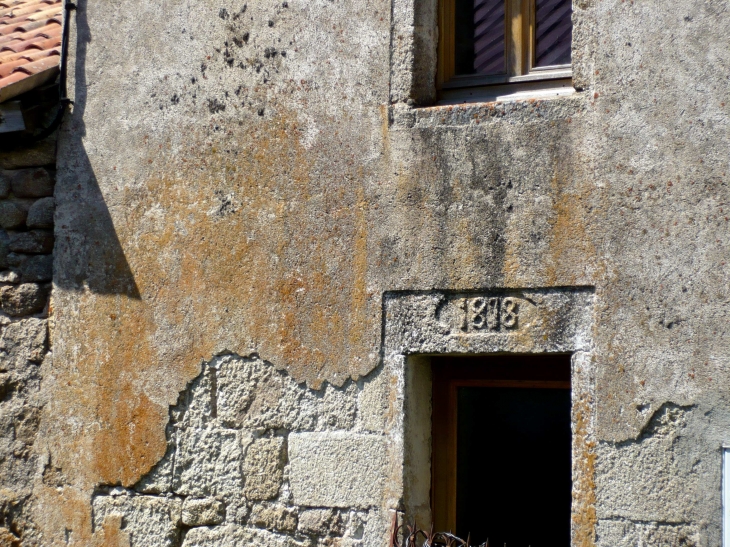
column 726, row 495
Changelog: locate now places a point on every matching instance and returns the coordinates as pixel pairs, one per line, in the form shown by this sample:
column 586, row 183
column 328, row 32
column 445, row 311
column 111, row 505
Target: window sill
column 538, row 74
column 518, row 91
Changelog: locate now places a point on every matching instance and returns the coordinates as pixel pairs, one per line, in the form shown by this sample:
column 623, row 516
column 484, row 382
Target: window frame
column 519, row 50
column 445, row 382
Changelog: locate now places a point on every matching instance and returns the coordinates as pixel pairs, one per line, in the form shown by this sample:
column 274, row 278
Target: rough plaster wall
column 255, row 457
column 235, row 180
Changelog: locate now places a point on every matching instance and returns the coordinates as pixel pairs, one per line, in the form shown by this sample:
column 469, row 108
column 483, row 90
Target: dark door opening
column 502, row 449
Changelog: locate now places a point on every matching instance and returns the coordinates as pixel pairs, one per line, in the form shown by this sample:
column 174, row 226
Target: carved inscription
column 482, row 314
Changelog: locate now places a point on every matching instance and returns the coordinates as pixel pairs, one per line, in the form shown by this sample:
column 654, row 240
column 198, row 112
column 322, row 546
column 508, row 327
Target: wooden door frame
column 445, row 383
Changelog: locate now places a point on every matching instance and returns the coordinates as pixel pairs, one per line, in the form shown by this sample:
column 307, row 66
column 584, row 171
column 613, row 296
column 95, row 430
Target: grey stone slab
column 33, row 241
column 40, row 214
column 626, row 533
column 518, row 321
column 336, row 469
column 37, row 268
column 31, row 183
column 208, row 463
column 149, row 521
column 11, row 216
column 232, row 535
column 263, row 468
column 24, row 299
column 202, row 512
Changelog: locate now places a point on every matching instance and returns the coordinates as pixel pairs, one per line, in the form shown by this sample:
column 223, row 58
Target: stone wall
column 254, row 457
column 256, row 177
column 26, row 271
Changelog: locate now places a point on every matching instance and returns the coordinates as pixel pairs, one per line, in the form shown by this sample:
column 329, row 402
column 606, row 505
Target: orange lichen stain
column 111, row 533
column 584, row 486
column 264, row 251
column 570, row 257
column 241, row 253
column 67, row 507
column 359, row 295
column 572, row 254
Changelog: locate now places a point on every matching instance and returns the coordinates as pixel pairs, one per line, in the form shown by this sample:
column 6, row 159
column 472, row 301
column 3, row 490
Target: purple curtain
column 553, row 32
column 489, row 36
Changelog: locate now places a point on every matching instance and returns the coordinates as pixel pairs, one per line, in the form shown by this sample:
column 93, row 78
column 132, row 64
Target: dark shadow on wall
column 88, row 253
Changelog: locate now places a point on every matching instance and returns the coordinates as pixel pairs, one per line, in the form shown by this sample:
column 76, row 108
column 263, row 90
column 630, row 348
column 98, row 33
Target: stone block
column 333, row 408
column 336, row 469
column 31, row 183
column 13, row 260
column 24, row 299
column 39, row 153
column 4, row 249
column 373, row 403
column 23, row 341
column 11, row 215
column 37, row 268
column 197, row 411
column 274, row 517
column 321, row 522
column 40, row 214
column 236, row 536
column 356, row 524
column 150, row 521
column 624, row 533
column 202, row 512
column 237, row 380
column 34, row 241
column 376, row 528
column 4, row 184
column 208, row 463
column 263, row 468
column 253, row 394
column 659, row 455
column 9, row 276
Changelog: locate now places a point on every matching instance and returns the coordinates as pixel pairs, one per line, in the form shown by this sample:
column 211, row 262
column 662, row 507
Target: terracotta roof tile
column 7, row 68
column 47, row 14
column 13, row 78
column 32, row 9
column 30, row 41
column 36, row 67
column 29, row 55
column 18, row 46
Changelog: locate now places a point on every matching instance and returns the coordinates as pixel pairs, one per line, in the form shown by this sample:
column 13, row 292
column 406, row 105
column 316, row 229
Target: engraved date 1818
column 488, row 313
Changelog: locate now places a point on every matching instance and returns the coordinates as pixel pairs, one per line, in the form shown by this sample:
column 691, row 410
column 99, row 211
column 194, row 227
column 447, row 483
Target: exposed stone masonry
column 246, row 444
column 26, row 240
column 26, row 269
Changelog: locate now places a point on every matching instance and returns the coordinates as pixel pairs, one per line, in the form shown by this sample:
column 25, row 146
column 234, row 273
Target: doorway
column 501, row 449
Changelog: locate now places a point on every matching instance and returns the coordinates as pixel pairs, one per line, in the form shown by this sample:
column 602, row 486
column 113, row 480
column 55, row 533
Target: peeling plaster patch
column 670, row 485
column 239, row 445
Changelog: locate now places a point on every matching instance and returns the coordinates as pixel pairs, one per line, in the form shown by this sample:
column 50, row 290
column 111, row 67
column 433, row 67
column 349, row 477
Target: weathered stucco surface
column 248, row 449
column 254, row 177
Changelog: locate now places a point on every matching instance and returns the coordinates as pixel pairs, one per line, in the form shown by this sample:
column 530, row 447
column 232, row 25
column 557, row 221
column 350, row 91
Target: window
column 501, row 454
column 491, row 42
